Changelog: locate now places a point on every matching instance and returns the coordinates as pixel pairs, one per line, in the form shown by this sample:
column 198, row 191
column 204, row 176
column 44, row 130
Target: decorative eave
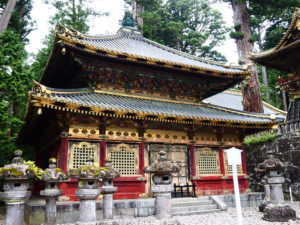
column 289, row 42
column 43, row 97
column 76, row 40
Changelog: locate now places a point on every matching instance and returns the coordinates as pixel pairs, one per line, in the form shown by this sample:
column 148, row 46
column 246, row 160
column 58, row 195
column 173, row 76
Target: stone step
column 195, row 212
column 193, row 208
column 191, row 199
column 191, row 203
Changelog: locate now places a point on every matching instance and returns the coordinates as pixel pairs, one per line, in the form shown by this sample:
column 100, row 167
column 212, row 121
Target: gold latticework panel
column 166, row 136
column 122, row 133
column 84, row 128
column 228, row 168
column 207, row 161
column 80, row 152
column 124, row 160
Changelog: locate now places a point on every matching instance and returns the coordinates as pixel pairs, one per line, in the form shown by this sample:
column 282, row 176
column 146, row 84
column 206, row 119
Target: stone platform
column 68, row 212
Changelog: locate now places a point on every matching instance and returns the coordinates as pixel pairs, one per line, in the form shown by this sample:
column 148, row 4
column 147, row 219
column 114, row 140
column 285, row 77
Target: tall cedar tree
column 244, row 11
column 20, row 20
column 190, row 26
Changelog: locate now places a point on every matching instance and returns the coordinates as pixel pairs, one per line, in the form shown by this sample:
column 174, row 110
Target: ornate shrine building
column 285, row 57
column 125, row 97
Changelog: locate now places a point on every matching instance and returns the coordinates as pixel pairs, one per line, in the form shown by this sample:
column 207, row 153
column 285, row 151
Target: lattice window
column 124, row 160
column 80, row 152
column 207, row 162
column 229, row 167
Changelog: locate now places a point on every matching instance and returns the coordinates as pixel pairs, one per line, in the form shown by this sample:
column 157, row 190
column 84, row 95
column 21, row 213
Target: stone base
column 170, row 222
column 281, row 213
column 86, row 223
column 262, row 206
column 108, row 222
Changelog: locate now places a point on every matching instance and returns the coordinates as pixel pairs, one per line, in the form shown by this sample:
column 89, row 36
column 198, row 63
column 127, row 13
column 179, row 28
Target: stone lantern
column 88, row 190
column 162, row 170
column 108, row 190
column 52, row 176
column 275, row 209
column 16, row 184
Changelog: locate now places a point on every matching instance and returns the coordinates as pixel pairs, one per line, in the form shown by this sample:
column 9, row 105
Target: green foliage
column 20, row 21
column 71, row 13
column 190, row 26
column 236, row 35
column 15, row 81
column 237, row 27
column 248, row 141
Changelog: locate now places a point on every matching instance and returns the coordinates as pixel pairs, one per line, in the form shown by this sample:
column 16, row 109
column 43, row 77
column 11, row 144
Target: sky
column 110, row 24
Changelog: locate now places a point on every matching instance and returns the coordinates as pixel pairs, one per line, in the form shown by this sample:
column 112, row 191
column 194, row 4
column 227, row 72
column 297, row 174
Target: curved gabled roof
column 99, row 102
column 129, row 44
column 282, row 55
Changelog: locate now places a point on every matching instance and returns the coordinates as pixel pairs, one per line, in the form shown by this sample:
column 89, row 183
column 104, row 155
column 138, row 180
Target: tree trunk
column 137, row 11
column 285, row 107
column 265, row 81
column 251, row 94
column 6, row 15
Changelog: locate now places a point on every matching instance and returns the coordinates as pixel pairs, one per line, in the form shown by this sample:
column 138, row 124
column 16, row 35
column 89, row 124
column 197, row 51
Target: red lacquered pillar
column 192, row 160
column 102, row 153
column 141, row 158
column 222, row 163
column 63, row 152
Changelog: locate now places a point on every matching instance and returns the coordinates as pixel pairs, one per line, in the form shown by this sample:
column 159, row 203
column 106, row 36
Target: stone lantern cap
column 162, row 166
column 111, row 172
column 19, row 169
column 53, row 174
column 270, row 165
column 88, row 172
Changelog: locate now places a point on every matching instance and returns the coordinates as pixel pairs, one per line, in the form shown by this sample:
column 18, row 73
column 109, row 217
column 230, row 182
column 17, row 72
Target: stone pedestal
column 50, row 211
column 108, row 192
column 277, row 210
column 87, row 208
column 266, row 199
column 163, row 205
column 14, row 201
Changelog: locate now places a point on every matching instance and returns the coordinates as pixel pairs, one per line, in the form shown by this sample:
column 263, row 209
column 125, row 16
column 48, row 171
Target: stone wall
column 287, row 149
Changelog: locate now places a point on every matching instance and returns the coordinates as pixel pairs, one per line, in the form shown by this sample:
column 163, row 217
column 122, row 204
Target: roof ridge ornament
column 68, row 32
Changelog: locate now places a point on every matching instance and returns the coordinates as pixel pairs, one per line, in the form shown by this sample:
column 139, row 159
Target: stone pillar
column 276, row 193
column 14, row 201
column 52, row 176
column 108, row 192
column 87, row 208
column 163, row 204
column 275, row 209
column 162, row 170
column 16, row 184
column 88, row 190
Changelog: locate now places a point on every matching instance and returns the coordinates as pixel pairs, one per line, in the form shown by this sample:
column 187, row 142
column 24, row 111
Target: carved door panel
column 178, row 154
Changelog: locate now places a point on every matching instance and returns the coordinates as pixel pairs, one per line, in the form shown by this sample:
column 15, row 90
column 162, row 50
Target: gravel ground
column 251, row 216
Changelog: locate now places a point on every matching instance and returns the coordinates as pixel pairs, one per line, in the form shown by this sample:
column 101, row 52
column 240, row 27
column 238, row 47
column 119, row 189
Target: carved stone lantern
column 108, row 190
column 16, row 184
column 275, row 209
column 52, row 176
column 88, row 190
column 162, row 170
